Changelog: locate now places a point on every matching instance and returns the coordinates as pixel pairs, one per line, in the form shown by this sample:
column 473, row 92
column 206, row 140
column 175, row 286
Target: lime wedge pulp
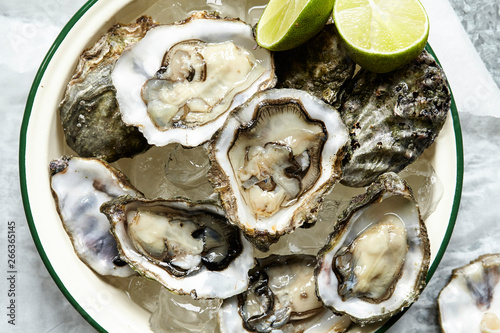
column 381, row 35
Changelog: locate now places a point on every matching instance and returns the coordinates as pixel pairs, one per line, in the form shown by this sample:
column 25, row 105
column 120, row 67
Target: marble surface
column 470, row 27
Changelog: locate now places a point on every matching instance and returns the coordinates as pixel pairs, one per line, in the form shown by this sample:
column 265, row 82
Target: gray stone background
column 27, row 30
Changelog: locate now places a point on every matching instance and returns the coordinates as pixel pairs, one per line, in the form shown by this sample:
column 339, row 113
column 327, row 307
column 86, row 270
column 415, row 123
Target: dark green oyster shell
column 392, row 118
column 321, row 66
column 89, row 112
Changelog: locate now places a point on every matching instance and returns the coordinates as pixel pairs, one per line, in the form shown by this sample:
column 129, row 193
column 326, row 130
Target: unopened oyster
column 80, row 186
column 179, row 83
column 320, row 66
column 281, row 298
column 377, row 258
column 470, row 302
column 188, row 247
column 274, row 160
column 89, row 112
column 392, row 118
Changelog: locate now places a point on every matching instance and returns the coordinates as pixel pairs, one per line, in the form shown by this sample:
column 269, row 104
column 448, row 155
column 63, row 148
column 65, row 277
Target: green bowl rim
column 24, row 192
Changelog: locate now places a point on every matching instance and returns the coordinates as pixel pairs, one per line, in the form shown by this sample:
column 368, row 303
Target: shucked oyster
column 80, row 186
column 392, row 118
column 471, row 300
column 320, row 66
column 89, row 112
column 273, row 161
column 281, row 298
column 179, row 82
column 188, row 247
column 376, row 260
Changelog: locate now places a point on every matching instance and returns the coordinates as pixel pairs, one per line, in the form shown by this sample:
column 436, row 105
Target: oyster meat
column 179, row 83
column 89, row 112
column 281, row 298
column 80, row 186
column 377, row 258
column 320, row 66
column 392, row 118
column 274, row 160
column 470, row 302
column 188, row 247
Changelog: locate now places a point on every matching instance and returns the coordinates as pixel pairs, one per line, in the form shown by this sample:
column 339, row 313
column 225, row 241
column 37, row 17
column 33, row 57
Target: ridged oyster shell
column 392, row 118
column 377, row 258
column 89, row 112
column 320, row 66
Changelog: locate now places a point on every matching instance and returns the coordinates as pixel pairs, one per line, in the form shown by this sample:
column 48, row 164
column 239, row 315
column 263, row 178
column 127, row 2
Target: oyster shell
column 80, row 186
column 188, row 247
column 470, row 300
column 377, row 258
column 392, row 118
column 281, row 298
column 89, row 112
column 320, row 66
column 273, row 161
column 179, row 83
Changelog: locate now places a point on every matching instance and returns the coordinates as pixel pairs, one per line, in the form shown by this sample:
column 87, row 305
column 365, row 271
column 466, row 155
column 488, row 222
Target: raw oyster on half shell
column 470, row 302
column 392, row 118
column 80, row 186
column 281, row 298
column 188, row 247
column 274, row 160
column 377, row 258
column 89, row 112
column 179, row 83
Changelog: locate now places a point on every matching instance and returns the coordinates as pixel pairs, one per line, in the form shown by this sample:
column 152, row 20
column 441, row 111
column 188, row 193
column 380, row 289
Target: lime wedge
column 286, row 24
column 381, row 35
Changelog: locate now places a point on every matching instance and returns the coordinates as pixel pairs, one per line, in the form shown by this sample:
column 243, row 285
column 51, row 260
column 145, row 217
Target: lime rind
column 300, row 20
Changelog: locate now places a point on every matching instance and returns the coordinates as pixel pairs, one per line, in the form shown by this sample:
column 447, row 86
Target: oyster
column 80, row 186
column 320, row 66
column 179, row 83
column 281, row 298
column 188, row 247
column 392, row 118
column 470, row 301
column 89, row 112
column 377, row 258
column 274, row 160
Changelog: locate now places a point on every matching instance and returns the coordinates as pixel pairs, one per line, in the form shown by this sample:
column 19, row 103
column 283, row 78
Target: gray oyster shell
column 89, row 112
column 392, row 118
column 320, row 66
column 80, row 186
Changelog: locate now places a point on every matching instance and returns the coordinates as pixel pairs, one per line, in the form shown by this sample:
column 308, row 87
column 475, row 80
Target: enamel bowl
column 104, row 305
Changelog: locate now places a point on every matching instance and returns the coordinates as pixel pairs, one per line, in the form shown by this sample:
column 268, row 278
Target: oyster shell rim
column 375, row 194
column 221, row 179
column 188, row 136
column 171, row 282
